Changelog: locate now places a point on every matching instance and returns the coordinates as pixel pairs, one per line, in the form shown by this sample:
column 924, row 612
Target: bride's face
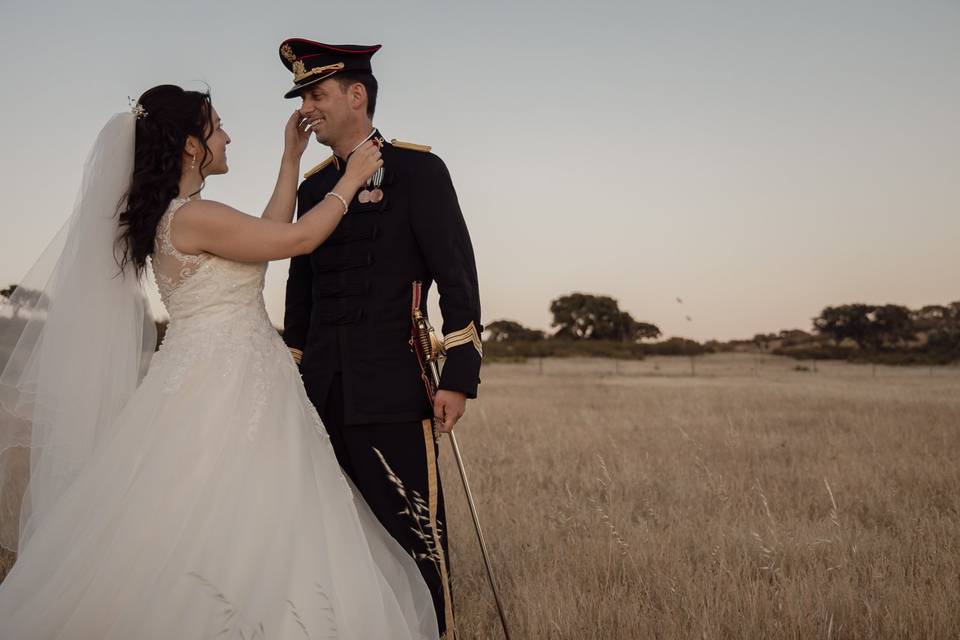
column 217, row 143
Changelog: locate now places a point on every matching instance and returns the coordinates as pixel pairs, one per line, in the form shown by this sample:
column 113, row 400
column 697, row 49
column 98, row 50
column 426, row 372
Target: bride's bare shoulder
column 199, row 206
column 203, row 212
column 197, row 220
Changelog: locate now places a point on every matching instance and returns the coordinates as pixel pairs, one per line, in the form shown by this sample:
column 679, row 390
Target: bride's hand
column 363, row 162
column 296, row 135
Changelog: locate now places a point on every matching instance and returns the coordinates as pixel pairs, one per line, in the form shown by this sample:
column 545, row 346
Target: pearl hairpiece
column 136, row 108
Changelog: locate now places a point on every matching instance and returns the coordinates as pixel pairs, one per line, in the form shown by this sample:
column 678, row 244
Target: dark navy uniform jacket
column 348, row 303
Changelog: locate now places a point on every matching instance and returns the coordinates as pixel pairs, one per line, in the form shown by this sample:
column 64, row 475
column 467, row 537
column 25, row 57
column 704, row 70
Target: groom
column 347, row 320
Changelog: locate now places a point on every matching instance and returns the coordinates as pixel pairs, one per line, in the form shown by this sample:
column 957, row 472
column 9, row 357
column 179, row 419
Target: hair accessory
column 136, row 108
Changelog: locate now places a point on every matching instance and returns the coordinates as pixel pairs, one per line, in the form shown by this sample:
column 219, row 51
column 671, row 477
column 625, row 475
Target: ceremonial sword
column 429, row 352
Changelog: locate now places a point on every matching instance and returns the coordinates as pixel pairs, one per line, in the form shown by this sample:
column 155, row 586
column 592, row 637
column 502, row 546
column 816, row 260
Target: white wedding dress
column 214, row 507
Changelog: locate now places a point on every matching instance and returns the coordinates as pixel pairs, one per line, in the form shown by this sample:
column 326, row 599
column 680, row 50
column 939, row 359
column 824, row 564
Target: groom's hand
column 448, row 407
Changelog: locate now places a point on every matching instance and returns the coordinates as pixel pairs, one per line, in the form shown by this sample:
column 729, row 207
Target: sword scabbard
column 430, row 353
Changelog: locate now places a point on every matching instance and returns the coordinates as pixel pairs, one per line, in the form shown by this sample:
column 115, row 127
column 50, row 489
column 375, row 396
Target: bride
column 197, row 495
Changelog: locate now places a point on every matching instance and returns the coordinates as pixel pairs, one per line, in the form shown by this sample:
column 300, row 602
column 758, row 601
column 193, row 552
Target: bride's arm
column 205, row 226
column 296, row 135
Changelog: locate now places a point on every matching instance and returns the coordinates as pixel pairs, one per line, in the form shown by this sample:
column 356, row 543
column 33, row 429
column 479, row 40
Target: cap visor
column 298, row 88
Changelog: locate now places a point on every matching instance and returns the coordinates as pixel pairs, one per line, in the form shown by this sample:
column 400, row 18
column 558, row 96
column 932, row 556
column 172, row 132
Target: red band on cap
column 372, row 49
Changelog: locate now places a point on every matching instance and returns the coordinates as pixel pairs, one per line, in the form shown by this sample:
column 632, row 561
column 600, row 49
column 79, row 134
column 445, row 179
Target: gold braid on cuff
column 296, row 354
column 467, row 335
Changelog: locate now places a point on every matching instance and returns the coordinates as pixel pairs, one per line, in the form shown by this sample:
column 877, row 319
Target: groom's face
column 326, row 106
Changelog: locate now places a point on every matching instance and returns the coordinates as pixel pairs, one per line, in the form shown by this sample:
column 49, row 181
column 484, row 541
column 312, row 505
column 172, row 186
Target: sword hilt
column 423, row 336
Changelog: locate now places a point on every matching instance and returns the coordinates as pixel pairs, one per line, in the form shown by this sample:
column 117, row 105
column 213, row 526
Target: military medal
column 366, row 196
column 376, row 195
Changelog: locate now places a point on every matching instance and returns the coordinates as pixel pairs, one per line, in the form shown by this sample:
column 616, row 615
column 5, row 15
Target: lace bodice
column 204, row 284
column 170, row 266
column 216, row 315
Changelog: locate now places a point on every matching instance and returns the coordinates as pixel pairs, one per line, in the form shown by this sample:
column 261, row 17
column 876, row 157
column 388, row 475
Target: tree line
column 588, row 324
column 585, row 324
column 889, row 333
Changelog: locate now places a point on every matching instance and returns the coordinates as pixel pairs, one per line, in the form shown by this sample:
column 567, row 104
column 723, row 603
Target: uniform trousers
column 411, row 451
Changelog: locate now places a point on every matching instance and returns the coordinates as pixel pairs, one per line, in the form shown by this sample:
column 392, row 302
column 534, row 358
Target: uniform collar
column 341, row 163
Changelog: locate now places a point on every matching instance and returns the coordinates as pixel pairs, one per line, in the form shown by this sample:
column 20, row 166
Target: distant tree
column 679, row 347
column 930, row 317
column 942, row 324
column 511, row 331
column 872, row 327
column 793, row 337
column 646, row 331
column 890, row 326
column 629, row 330
column 945, row 341
column 763, row 340
column 846, row 321
column 715, row 346
column 624, row 328
column 676, row 347
column 942, row 319
column 586, row 316
column 24, row 298
column 954, row 312
column 7, row 294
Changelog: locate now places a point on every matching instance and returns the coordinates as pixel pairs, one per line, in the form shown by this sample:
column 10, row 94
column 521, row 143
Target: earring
column 193, row 163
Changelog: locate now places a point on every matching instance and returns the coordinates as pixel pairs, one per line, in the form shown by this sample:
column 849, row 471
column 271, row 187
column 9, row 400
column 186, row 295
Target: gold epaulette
column 400, row 144
column 320, row 167
column 467, row 335
column 296, row 354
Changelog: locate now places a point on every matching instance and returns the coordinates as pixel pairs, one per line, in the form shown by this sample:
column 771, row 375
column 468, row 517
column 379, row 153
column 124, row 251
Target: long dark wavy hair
column 172, row 115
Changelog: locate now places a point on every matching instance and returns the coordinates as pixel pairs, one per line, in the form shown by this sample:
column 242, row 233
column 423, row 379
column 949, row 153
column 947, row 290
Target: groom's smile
column 315, row 124
column 327, row 107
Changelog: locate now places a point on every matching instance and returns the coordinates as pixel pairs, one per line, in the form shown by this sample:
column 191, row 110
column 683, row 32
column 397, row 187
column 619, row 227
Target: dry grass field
column 752, row 500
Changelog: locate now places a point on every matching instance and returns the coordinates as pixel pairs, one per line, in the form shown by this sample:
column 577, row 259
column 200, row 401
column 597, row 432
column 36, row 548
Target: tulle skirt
column 214, row 508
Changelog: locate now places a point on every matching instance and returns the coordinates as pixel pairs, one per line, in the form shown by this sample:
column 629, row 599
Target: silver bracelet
column 340, row 198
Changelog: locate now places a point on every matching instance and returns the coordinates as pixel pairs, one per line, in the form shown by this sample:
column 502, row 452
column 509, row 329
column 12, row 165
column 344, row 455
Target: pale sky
column 760, row 160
